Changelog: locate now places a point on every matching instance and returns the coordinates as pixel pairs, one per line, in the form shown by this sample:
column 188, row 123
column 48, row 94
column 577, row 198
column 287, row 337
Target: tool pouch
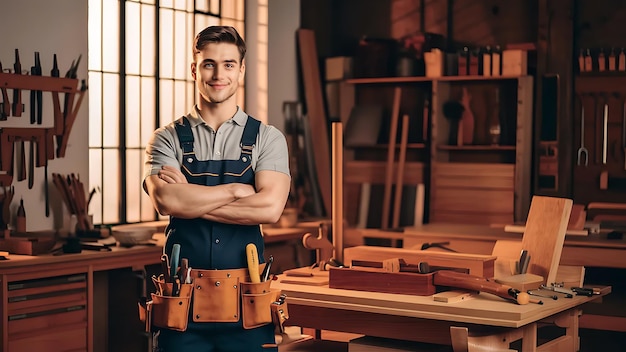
column 145, row 313
column 256, row 299
column 216, row 299
column 171, row 312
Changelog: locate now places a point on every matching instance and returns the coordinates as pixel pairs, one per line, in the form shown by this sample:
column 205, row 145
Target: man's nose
column 216, row 72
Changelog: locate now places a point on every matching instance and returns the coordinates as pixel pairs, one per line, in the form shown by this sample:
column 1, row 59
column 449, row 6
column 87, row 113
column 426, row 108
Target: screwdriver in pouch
column 265, row 275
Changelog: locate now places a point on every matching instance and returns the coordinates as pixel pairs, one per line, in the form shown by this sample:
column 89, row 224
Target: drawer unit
column 47, row 313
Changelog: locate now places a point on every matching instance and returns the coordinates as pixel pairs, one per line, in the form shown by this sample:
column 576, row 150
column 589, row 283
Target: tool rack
column 43, row 137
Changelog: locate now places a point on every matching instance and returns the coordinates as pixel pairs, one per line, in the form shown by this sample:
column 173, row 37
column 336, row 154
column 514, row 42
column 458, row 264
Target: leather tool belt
column 217, row 296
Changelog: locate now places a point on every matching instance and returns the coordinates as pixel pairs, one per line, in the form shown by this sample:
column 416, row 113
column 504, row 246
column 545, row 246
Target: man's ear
column 193, row 70
column 242, row 69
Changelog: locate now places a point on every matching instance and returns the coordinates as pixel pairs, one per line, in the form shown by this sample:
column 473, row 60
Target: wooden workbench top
column 483, row 309
column 485, row 232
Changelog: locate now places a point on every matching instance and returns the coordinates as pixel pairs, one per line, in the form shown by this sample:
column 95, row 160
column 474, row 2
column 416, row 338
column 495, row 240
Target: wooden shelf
column 385, row 146
column 386, row 80
column 476, row 147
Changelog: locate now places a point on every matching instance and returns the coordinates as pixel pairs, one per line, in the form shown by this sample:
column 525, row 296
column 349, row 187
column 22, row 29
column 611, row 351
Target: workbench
column 603, row 258
column 490, row 320
column 56, row 302
column 88, row 301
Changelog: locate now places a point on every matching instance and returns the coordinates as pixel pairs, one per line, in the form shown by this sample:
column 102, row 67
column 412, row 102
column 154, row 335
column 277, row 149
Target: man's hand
column 172, row 175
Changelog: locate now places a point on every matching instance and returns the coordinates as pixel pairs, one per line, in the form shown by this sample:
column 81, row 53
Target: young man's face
column 217, row 72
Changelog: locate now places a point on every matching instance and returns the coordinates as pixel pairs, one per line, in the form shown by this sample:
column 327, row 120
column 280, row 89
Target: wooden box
column 376, row 280
column 27, row 246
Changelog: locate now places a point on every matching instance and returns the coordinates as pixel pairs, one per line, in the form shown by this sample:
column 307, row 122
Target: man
column 218, row 173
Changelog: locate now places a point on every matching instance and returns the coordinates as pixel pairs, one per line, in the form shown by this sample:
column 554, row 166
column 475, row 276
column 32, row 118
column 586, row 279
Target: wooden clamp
column 321, row 244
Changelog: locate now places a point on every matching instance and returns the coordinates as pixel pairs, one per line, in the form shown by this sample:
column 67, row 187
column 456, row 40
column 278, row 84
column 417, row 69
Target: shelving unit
column 477, row 183
column 482, row 183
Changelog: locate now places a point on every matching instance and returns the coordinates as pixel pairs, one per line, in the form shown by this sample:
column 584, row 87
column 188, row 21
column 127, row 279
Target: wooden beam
column 555, row 47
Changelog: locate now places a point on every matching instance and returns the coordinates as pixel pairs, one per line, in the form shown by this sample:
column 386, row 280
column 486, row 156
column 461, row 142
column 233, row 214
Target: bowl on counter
column 131, row 235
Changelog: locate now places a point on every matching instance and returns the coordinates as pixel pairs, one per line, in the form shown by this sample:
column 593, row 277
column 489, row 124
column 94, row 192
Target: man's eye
column 208, row 65
column 230, row 65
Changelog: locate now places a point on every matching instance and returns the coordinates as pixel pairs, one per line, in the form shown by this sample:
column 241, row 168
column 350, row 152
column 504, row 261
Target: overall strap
column 185, row 136
column 250, row 132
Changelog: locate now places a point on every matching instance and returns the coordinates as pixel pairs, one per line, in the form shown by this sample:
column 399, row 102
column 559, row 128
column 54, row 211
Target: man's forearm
column 263, row 207
column 190, row 200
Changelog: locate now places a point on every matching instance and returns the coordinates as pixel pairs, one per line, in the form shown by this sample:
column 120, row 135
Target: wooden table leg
column 529, row 337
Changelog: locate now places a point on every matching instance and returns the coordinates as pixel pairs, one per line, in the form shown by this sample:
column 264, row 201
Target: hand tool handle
column 174, row 260
column 265, row 275
column 165, row 267
column 605, row 125
column 253, row 262
column 471, row 282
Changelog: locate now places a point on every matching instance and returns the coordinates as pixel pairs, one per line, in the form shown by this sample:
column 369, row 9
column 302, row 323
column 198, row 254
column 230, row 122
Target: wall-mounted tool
column 5, row 199
column 5, row 111
column 18, row 108
column 624, row 131
column 583, row 153
column 56, row 103
column 21, row 159
column 31, row 162
column 604, row 124
column 69, row 121
column 36, row 96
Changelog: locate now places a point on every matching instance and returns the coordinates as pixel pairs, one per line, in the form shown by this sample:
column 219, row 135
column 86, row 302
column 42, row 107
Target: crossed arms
column 233, row 203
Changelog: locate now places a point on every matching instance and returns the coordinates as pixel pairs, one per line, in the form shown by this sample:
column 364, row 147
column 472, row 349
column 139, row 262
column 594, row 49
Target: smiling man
column 217, row 173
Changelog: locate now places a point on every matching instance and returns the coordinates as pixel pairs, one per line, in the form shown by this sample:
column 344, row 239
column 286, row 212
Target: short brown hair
column 219, row 34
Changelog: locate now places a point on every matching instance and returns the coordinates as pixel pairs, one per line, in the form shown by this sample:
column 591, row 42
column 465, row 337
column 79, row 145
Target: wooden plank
column 337, row 190
column 377, row 280
column 468, row 169
column 545, row 233
column 466, row 200
column 524, row 147
column 397, row 199
column 479, row 265
column 470, row 218
column 315, row 111
column 555, row 45
column 305, row 276
column 391, row 156
column 373, row 172
column 473, row 182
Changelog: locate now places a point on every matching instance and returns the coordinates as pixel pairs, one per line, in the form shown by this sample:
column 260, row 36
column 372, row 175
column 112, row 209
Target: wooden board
column 377, row 280
column 305, row 276
column 318, row 122
column 453, row 296
column 479, row 265
column 545, row 233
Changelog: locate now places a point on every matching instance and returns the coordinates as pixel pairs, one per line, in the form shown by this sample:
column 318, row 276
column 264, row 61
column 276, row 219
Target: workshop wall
column 48, row 27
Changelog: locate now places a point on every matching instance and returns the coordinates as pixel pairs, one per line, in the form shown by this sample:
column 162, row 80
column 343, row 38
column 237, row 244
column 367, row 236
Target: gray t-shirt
column 269, row 153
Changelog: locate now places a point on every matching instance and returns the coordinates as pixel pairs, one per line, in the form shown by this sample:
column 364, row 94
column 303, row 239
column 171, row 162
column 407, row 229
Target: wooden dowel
column 391, row 156
column 337, row 189
column 397, row 200
column 418, row 218
column 364, row 205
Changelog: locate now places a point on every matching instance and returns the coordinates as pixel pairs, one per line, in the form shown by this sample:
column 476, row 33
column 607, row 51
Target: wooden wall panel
column 480, row 22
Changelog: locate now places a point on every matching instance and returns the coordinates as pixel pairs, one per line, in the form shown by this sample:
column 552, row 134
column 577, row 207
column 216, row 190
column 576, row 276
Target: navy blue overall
column 213, row 245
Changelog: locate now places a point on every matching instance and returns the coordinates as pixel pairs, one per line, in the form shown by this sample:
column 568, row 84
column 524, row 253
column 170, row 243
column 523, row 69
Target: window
column 139, row 80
